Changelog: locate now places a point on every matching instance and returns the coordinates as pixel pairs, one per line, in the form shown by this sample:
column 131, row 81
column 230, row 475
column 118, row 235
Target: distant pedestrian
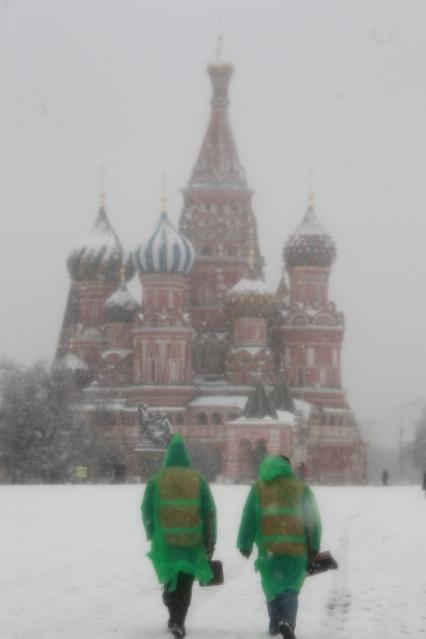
column 179, row 516
column 424, row 481
column 385, row 477
column 281, row 516
column 301, row 470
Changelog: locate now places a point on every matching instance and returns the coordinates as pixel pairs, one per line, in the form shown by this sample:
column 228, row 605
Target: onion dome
column 167, row 251
column 100, row 257
column 310, row 244
column 218, row 164
column 120, row 306
column 251, row 297
column 71, row 366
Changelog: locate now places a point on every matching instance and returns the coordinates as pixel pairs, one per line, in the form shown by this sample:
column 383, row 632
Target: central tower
column 218, row 219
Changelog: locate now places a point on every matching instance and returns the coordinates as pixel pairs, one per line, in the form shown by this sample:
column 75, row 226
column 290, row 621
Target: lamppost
column 411, row 402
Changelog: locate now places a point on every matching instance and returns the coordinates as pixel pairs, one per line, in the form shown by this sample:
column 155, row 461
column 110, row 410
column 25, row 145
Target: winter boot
column 178, row 631
column 286, row 630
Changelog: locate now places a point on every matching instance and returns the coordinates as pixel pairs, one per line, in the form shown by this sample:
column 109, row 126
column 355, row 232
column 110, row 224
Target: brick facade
column 185, row 354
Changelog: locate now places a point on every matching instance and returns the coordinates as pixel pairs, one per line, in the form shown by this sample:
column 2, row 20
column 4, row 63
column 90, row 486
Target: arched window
column 245, row 455
column 260, row 450
column 151, row 372
column 216, row 418
column 202, row 419
column 179, row 419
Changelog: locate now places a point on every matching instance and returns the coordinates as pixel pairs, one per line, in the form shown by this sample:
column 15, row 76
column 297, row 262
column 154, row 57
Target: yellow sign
column 81, row 472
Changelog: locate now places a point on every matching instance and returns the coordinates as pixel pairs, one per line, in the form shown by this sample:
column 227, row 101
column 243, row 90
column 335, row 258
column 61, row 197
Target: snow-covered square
column 73, row 566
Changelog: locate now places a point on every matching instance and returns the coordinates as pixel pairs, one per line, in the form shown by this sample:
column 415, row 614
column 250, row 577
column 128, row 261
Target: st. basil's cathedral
column 238, row 369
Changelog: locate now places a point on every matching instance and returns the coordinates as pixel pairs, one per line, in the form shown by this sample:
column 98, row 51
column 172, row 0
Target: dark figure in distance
column 385, row 477
column 179, row 516
column 424, row 481
column 282, row 518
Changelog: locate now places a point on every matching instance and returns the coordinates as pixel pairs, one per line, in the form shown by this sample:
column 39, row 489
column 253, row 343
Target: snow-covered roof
column 234, row 401
column 121, row 352
column 248, row 285
column 310, row 244
column 310, row 225
column 121, row 305
column 329, row 390
column 104, row 406
column 122, row 297
column 100, row 254
column 302, row 408
column 253, row 350
column 71, row 362
column 287, row 417
column 250, row 297
column 284, row 418
column 102, row 236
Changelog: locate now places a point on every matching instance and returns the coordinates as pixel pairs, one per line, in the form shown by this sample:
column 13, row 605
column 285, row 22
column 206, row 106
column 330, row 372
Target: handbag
column 217, row 570
column 321, row 562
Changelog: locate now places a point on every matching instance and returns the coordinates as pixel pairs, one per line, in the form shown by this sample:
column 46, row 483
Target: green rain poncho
column 281, row 517
column 179, row 516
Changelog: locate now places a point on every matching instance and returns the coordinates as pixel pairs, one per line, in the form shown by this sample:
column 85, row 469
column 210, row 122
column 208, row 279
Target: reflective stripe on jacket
column 281, row 528
column 179, row 506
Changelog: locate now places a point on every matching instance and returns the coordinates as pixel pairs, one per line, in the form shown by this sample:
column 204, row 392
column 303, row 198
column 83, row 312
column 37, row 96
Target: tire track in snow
column 379, row 589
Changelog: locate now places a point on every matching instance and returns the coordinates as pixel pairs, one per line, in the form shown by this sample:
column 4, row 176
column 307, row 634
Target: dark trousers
column 179, row 600
column 283, row 608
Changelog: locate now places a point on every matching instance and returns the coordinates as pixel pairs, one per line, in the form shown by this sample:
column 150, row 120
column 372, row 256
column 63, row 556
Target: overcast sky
column 337, row 85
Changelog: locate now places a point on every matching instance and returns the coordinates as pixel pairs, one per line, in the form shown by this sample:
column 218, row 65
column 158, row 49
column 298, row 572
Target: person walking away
column 281, row 516
column 385, row 477
column 179, row 516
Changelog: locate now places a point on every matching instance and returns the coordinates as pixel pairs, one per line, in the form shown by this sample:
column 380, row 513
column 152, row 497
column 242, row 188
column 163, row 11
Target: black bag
column 321, row 562
column 217, row 570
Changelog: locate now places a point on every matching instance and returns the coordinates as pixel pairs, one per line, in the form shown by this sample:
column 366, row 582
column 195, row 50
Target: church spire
column 220, row 73
column 163, row 196
column 218, row 164
column 218, row 219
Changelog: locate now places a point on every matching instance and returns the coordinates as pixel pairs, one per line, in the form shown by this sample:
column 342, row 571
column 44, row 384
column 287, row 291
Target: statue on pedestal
column 155, row 428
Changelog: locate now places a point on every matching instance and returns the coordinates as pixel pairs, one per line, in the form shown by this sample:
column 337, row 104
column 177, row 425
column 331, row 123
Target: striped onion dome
column 100, row 256
column 251, row 297
column 120, row 306
column 310, row 244
column 167, row 251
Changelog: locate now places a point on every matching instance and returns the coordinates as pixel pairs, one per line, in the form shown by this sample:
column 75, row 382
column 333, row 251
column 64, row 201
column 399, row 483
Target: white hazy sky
column 336, row 85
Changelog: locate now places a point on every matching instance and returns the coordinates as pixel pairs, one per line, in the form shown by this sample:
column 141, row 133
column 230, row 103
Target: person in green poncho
column 281, row 516
column 179, row 515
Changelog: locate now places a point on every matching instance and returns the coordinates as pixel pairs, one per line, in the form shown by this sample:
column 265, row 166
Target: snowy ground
column 73, row 567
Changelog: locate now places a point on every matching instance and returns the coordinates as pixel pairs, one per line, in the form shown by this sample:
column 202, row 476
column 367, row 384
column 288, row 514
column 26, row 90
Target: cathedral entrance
column 120, row 473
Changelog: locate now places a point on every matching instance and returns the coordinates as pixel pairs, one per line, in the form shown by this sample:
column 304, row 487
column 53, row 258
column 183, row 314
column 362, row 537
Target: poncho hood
column 274, row 466
column 177, row 453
